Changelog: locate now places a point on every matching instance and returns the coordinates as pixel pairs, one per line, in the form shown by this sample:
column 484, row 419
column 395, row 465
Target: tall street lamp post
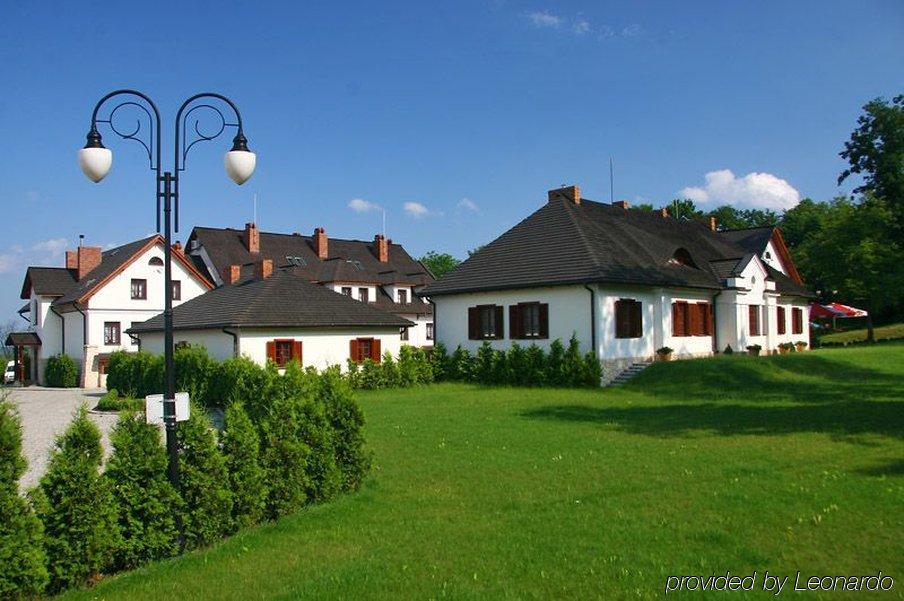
column 95, row 161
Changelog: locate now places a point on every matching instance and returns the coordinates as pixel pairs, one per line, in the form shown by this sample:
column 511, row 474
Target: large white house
column 626, row 282
column 278, row 315
column 378, row 273
column 84, row 308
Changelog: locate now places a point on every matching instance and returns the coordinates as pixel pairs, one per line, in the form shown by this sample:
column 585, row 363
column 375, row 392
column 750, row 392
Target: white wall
column 371, row 290
column 569, row 312
column 772, row 258
column 320, row 347
column 417, row 334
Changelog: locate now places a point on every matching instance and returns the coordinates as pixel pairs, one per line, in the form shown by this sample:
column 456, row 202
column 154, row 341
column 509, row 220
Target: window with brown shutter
column 485, row 322
column 780, row 319
column 797, row 318
column 282, row 351
column 112, row 333
column 529, row 321
column 628, row 318
column 364, row 348
column 139, row 289
column 753, row 319
column 679, row 319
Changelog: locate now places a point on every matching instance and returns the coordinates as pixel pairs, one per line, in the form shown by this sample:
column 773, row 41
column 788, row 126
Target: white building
column 279, row 315
column 626, row 283
column 84, row 309
column 380, row 273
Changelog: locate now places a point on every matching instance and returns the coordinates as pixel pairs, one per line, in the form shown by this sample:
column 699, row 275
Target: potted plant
column 786, row 347
column 664, row 354
column 801, row 346
column 754, row 350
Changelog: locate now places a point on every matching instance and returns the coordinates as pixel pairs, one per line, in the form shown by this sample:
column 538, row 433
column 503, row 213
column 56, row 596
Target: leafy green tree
column 876, row 152
column 802, row 221
column 203, row 481
column 147, row 503
column 22, row 558
column 476, row 250
column 241, row 446
column 439, row 264
column 684, row 208
column 856, row 255
column 76, row 506
column 644, row 206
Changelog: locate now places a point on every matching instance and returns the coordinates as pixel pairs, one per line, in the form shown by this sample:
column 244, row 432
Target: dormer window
column 403, row 297
column 682, row 257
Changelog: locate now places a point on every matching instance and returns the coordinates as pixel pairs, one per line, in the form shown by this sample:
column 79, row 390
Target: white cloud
column 466, row 204
column 359, row 205
column 416, row 209
column 753, row 191
column 544, row 19
column 581, row 26
column 45, row 252
column 631, row 31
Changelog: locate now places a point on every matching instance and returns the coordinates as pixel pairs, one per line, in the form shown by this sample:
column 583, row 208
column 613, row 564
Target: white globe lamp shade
column 95, row 162
column 240, row 165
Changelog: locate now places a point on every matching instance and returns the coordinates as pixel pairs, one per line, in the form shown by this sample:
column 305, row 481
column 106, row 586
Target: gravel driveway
column 45, row 413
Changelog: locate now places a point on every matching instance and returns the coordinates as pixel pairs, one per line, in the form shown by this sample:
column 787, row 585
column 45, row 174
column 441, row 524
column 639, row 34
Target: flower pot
column 664, row 356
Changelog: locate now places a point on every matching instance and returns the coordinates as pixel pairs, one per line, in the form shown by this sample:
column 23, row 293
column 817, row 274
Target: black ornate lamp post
column 95, row 161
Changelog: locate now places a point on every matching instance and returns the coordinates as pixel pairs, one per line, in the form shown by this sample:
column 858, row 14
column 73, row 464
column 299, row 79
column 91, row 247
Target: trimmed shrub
column 440, row 362
column 203, row 481
column 194, row 369
column 555, row 364
column 535, row 367
column 593, row 371
column 61, row 372
column 284, row 457
column 347, row 421
column 409, row 370
column 324, row 479
column 241, row 447
column 238, row 379
column 22, row 560
column 135, row 375
column 515, row 372
column 76, row 506
column 391, row 376
column 573, row 364
column 484, row 370
column 111, row 401
column 371, row 375
column 461, row 366
column 145, row 499
column 423, row 366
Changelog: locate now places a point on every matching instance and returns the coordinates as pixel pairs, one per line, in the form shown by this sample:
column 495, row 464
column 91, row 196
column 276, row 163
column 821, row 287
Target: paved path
column 45, row 413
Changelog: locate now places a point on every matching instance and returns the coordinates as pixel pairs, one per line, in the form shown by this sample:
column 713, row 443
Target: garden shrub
column 135, row 375
column 324, row 479
column 146, row 501
column 515, row 371
column 484, row 370
column 371, row 377
column 573, row 364
column 203, row 481
column 409, row 371
column 284, row 456
column 439, row 362
column 194, row 369
column 237, row 379
column 391, row 376
column 61, row 372
column 76, row 506
column 593, row 371
column 535, row 372
column 22, row 560
column 555, row 364
column 112, row 401
column 461, row 366
column 241, row 447
column 423, row 366
column 347, row 422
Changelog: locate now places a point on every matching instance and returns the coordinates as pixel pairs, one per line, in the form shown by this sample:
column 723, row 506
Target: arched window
column 156, row 262
column 682, row 257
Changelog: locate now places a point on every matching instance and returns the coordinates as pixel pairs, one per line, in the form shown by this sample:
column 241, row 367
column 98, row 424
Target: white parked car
column 9, row 376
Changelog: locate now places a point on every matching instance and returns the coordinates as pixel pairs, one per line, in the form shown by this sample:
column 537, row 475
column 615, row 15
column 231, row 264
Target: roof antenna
column 254, row 211
column 611, row 182
column 384, row 223
column 81, row 239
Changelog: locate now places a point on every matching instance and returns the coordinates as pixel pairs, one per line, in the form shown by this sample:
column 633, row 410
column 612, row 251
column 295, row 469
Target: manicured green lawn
column 784, row 463
column 890, row 332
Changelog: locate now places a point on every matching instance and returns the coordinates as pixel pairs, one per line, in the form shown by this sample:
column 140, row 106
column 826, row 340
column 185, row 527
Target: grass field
column 783, row 463
column 893, row 331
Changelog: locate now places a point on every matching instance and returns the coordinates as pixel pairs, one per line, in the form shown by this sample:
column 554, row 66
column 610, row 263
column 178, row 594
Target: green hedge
column 61, row 372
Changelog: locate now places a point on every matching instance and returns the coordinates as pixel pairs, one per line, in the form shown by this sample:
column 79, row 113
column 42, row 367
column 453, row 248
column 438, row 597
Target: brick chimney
column 252, row 238
column 177, row 247
column 664, row 212
column 71, row 259
column 231, row 274
column 624, row 204
column 321, row 243
column 712, row 223
column 572, row 193
column 382, row 248
column 89, row 257
column 263, row 269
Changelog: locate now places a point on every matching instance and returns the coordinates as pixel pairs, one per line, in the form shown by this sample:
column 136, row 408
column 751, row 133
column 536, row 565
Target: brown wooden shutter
column 680, row 319
column 544, row 320
column 353, row 352
column 780, row 318
column 375, row 353
column 500, row 322
column 271, row 350
column 296, row 351
column 753, row 321
column 710, row 321
column 636, row 319
column 515, row 328
column 697, row 319
column 473, row 323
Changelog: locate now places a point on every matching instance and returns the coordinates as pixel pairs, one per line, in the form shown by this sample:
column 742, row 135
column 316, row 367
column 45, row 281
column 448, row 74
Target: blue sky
column 463, row 112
